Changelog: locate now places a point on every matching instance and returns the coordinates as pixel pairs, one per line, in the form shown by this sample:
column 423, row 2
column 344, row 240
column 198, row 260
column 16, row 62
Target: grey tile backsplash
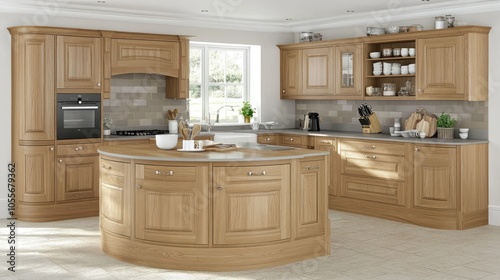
column 138, row 101
column 342, row 114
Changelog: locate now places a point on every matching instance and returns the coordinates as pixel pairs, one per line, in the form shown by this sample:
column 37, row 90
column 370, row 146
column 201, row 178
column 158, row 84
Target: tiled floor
column 362, row 248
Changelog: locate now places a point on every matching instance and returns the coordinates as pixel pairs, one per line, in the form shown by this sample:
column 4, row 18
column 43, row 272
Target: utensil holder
column 173, row 126
column 374, row 126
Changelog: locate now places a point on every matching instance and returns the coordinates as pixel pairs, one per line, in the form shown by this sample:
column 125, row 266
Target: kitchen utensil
column 389, row 89
column 195, row 131
column 173, row 126
column 175, row 112
column 182, row 125
column 185, row 133
column 314, row 121
column 170, row 115
column 411, row 122
column 386, row 52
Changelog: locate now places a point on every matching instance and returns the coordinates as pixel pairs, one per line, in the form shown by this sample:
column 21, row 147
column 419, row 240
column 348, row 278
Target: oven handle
column 79, row 107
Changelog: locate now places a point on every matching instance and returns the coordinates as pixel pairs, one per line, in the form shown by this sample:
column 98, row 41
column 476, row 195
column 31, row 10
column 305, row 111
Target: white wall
column 272, row 108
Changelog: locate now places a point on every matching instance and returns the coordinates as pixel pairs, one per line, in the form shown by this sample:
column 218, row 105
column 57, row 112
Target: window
column 218, row 77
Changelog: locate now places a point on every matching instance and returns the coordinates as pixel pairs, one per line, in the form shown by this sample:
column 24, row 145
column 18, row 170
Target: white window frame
column 205, row 47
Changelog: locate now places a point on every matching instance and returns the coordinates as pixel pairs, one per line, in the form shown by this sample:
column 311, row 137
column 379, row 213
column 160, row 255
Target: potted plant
column 246, row 111
column 107, row 125
column 445, row 125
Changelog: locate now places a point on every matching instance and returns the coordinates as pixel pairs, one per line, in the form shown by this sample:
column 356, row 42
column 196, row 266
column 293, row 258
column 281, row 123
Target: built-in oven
column 78, row 116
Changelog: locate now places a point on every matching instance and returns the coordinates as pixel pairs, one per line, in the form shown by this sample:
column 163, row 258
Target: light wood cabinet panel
column 348, row 70
column 36, row 174
column 251, row 204
column 435, row 177
column 373, row 165
column 317, row 70
column 33, row 97
column 268, row 139
column 441, row 68
column 330, row 144
column 79, row 63
column 77, row 149
column 115, row 190
column 370, row 189
column 143, row 56
column 311, row 203
column 291, row 73
column 178, row 88
column 171, row 203
column 77, row 178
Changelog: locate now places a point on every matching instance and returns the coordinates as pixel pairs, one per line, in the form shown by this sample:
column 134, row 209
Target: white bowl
column 375, row 54
column 464, row 135
column 462, row 130
column 166, row 141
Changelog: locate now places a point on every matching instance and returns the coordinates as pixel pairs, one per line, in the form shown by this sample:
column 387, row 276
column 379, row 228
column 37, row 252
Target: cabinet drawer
column 253, row 173
column 268, row 139
column 112, row 167
column 390, row 148
column 373, row 165
column 390, row 192
column 294, row 140
column 77, row 149
column 325, row 143
column 167, row 173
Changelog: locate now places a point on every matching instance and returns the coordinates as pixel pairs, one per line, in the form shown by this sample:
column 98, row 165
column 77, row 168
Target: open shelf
column 390, row 58
column 391, row 76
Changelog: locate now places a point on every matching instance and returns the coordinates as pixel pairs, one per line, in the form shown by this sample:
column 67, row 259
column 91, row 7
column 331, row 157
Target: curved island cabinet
column 242, row 209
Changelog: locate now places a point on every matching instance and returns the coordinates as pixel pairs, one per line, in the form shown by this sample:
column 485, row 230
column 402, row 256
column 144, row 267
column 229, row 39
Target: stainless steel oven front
column 78, row 116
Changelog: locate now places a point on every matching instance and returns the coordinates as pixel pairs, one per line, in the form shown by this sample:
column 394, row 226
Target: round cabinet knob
column 417, row 149
column 219, row 188
column 60, row 161
column 51, row 148
column 137, row 187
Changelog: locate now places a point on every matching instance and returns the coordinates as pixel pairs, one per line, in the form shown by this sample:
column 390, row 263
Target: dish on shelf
column 190, row 150
column 395, row 134
column 375, row 54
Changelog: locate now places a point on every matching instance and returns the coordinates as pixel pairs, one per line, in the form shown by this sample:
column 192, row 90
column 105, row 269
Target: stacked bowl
column 377, row 68
column 387, row 68
column 396, row 69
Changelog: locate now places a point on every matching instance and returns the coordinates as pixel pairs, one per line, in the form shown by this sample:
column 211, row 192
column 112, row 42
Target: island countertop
column 247, row 152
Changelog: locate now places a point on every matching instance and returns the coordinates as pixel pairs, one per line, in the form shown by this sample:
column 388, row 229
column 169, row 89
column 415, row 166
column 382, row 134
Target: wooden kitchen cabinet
column 436, row 177
column 171, row 203
column 270, row 139
column 373, row 171
column 311, row 202
column 77, row 178
column 178, row 88
column 35, row 169
column 251, row 204
column 330, row 144
column 33, row 95
column 317, row 76
column 79, row 64
column 298, row 141
column 291, row 73
column 348, row 70
column 115, row 214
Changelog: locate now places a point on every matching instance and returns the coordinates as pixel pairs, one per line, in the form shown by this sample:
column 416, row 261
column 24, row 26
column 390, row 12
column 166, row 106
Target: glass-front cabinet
column 348, row 70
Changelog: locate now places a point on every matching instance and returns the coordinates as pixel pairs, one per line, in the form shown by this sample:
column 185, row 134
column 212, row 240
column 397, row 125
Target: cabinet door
column 311, row 201
column 330, row 144
column 435, row 177
column 141, row 56
column 79, row 63
column 171, row 203
column 251, row 204
column 317, row 71
column 348, row 70
column 268, row 139
column 178, row 88
column 291, row 73
column 36, row 173
column 441, row 68
column 77, row 178
column 34, row 100
column 115, row 190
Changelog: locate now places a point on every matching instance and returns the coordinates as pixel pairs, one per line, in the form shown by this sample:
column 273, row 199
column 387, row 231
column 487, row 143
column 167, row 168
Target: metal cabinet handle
column 372, row 157
column 290, row 139
column 137, row 187
column 169, row 173
column 267, row 139
column 106, row 167
column 370, row 147
column 250, row 173
column 316, row 167
column 325, row 142
column 417, row 149
column 79, row 148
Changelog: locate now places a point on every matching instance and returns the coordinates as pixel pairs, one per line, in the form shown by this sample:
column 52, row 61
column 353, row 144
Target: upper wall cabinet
column 79, row 63
column 451, row 64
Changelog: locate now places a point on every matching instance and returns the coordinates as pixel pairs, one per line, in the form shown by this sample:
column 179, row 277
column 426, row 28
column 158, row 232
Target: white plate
column 193, row 150
column 395, row 134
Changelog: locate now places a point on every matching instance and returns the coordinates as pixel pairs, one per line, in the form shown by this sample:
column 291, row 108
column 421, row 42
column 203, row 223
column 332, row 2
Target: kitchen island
column 242, row 209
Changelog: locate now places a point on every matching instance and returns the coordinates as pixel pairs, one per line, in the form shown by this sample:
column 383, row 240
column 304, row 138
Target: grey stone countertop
column 365, row 136
column 244, row 152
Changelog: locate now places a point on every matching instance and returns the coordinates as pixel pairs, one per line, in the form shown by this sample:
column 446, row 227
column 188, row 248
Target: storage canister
column 439, row 22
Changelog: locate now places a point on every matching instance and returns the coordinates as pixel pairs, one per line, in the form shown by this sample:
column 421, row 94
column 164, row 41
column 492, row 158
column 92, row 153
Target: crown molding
column 376, row 18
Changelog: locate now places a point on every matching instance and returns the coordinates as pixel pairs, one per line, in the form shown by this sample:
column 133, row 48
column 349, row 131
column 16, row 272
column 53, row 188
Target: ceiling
column 259, row 15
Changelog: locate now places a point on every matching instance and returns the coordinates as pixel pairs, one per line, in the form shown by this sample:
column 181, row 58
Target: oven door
column 78, row 120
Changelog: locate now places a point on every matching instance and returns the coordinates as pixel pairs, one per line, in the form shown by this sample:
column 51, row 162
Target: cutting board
column 411, row 122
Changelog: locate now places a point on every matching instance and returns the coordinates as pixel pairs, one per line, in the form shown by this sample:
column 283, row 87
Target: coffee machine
column 313, row 121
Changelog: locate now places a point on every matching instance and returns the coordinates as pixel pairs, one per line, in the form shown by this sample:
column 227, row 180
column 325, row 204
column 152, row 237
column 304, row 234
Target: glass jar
column 439, row 22
column 450, row 21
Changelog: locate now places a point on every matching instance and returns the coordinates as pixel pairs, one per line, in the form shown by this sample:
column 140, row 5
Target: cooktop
column 139, row 132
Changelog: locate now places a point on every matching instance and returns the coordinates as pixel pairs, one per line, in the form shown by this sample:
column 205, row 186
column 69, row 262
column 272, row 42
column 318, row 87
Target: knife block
column 374, row 126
